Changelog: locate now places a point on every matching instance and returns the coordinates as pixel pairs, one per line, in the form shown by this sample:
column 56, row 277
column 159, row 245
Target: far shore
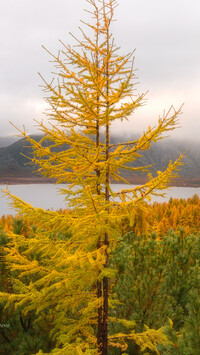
column 178, row 182
column 11, row 180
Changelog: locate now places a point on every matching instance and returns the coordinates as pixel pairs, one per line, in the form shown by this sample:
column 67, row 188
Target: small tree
column 71, row 275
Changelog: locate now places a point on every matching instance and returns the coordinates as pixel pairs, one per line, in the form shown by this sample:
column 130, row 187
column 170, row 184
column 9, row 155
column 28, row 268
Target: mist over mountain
column 14, row 164
column 6, row 141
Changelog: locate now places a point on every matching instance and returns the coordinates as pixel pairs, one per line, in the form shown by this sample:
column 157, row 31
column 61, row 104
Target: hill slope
column 6, row 141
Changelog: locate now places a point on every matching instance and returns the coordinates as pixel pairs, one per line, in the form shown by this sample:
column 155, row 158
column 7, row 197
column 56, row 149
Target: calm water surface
column 47, row 195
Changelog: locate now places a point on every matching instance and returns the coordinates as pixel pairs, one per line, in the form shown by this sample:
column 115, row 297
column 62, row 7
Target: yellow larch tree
column 67, row 278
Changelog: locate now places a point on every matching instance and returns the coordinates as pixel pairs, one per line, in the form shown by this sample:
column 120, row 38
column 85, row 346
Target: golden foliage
column 159, row 217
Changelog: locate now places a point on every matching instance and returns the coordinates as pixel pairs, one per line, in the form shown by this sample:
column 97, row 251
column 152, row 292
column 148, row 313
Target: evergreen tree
column 70, row 276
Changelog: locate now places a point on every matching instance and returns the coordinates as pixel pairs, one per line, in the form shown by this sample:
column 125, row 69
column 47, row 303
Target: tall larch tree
column 62, row 270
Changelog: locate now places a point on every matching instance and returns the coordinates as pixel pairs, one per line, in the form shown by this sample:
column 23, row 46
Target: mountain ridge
column 15, row 167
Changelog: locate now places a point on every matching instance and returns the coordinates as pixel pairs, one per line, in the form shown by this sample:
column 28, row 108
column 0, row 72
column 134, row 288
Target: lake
column 47, row 195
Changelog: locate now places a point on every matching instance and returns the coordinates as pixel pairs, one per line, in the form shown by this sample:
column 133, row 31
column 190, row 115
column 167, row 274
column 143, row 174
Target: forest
column 155, row 284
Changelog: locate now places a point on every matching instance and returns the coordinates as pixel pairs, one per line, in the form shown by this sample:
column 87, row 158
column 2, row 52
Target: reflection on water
column 47, row 195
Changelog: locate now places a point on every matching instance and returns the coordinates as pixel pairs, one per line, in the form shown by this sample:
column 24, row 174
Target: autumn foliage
column 159, row 217
column 146, row 290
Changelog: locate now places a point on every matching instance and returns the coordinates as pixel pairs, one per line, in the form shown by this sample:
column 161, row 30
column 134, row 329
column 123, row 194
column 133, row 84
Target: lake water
column 47, row 195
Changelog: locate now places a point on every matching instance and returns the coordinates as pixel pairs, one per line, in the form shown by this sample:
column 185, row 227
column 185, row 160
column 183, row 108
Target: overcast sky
column 165, row 34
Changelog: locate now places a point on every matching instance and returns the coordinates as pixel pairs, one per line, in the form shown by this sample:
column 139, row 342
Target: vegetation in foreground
column 155, row 285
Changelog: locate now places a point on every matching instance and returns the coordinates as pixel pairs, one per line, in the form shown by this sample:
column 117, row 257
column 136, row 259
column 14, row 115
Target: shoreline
column 178, row 182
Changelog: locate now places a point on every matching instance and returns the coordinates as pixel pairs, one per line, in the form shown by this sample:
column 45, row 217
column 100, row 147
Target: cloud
column 165, row 35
